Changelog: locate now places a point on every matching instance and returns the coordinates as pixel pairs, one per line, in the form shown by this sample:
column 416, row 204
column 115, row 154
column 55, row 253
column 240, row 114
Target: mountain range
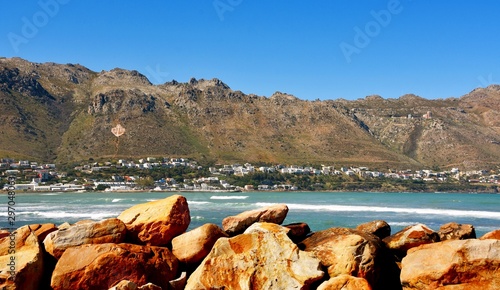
column 64, row 113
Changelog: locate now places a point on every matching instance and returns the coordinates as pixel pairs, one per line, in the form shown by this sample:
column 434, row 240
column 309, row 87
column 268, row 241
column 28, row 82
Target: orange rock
column 237, row 224
column 409, row 237
column 194, row 246
column 352, row 252
column 491, row 235
column 454, row 231
column 42, row 230
column 261, row 258
column 378, row 228
column 101, row 266
column 157, row 222
column 345, row 282
column 21, row 257
column 454, row 264
column 106, row 231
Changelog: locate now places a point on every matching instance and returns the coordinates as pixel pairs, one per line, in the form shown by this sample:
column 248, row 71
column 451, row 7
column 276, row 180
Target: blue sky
column 314, row 50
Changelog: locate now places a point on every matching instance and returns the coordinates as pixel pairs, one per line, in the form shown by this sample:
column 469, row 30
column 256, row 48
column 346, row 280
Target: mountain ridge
column 64, row 113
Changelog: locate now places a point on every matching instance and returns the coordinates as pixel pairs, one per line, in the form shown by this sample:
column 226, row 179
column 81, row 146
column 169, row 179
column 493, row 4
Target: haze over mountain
column 64, row 114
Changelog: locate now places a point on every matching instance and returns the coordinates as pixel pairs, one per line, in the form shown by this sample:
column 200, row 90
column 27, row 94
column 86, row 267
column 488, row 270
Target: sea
column 320, row 210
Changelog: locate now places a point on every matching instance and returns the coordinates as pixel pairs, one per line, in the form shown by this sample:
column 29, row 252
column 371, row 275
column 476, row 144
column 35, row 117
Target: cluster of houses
column 40, row 174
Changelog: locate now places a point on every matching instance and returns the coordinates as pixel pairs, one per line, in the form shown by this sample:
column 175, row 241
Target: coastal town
column 181, row 174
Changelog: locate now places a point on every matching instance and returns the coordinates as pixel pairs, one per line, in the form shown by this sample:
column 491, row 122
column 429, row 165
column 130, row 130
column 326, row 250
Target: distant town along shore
column 181, row 174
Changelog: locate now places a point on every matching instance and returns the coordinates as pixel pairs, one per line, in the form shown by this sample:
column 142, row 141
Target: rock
column 124, row 285
column 4, row 233
column 42, row 230
column 355, row 253
column 63, row 226
column 378, row 228
column 107, row 231
column 453, row 264
column 192, row 247
column 157, row 222
column 179, row 283
column 491, row 235
column 345, row 282
column 454, row 231
column 409, row 237
column 298, row 231
column 261, row 258
column 100, row 266
column 151, row 286
column 234, row 225
column 25, row 271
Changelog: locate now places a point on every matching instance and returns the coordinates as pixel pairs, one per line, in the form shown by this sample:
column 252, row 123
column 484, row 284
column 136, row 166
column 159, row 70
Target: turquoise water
column 321, row 210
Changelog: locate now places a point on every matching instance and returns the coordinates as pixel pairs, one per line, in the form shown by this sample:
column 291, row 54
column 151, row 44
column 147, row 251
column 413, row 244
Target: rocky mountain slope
column 64, row 113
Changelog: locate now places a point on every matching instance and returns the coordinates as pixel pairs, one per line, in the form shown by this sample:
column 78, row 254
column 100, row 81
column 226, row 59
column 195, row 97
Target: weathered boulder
column 345, row 282
column 453, row 264
column 355, row 253
column 261, row 258
column 21, row 260
column 4, row 233
column 454, row 231
column 106, row 231
column 157, row 222
column 42, row 230
column 101, row 266
column 298, row 231
column 491, row 235
column 237, row 224
column 409, row 237
column 192, row 247
column 378, row 228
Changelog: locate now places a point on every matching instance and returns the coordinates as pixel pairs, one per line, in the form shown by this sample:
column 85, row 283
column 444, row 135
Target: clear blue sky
column 323, row 49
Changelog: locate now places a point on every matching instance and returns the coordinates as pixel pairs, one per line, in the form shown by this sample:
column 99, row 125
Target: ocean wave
column 62, row 214
column 229, row 197
column 419, row 211
column 199, row 202
column 49, row 194
column 117, row 200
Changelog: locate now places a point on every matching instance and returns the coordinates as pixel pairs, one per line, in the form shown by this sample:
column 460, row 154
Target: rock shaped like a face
column 261, row 258
column 156, row 223
column 409, row 237
column 101, row 266
column 465, row 264
column 347, row 251
column 27, row 265
column 237, row 224
column 107, row 231
column 192, row 247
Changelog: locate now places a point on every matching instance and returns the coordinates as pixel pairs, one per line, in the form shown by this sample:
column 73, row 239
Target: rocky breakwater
column 147, row 247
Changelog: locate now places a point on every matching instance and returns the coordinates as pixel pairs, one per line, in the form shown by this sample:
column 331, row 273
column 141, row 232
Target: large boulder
column 101, row 266
column 409, row 237
column 491, row 235
column 378, row 228
column 261, row 258
column 454, row 231
column 21, row 260
column 237, row 224
column 355, row 253
column 453, row 264
column 106, row 231
column 192, row 247
column 345, row 282
column 157, row 222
